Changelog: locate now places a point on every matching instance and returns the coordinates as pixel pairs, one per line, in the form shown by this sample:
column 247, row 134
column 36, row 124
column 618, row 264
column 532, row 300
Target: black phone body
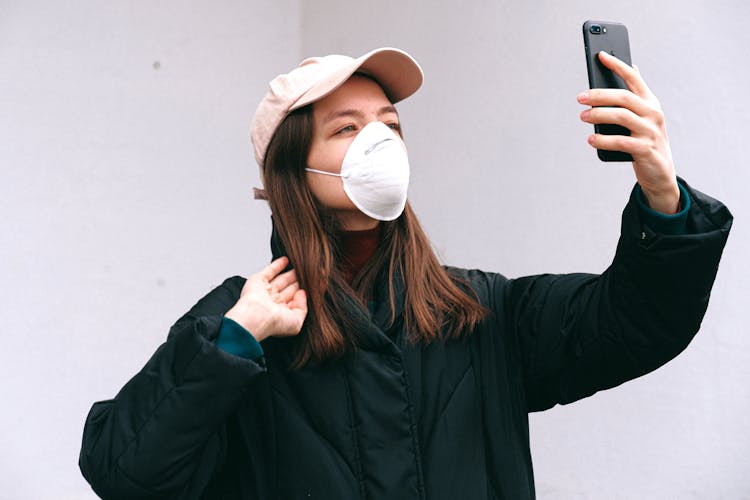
column 613, row 38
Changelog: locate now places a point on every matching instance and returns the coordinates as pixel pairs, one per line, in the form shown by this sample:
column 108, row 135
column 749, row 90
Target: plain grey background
column 126, row 194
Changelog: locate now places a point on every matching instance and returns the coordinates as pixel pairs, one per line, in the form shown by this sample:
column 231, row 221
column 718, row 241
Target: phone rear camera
column 595, row 29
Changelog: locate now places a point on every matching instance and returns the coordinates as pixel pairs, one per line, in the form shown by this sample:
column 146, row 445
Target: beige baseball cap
column 396, row 71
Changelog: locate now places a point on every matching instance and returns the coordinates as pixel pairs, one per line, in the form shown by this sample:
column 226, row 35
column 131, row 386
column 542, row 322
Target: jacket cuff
column 235, row 339
column 674, row 224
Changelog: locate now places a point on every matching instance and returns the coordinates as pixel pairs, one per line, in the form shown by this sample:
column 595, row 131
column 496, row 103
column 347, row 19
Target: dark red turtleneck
column 358, row 247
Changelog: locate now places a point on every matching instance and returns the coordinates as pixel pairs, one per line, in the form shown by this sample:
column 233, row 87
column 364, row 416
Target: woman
column 354, row 365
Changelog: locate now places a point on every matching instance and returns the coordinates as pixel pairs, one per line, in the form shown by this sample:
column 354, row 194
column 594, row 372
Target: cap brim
column 396, row 71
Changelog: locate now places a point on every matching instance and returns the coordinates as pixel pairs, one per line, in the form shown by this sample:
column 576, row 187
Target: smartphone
column 612, row 37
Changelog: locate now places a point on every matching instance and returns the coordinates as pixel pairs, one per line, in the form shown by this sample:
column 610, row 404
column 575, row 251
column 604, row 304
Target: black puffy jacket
column 394, row 420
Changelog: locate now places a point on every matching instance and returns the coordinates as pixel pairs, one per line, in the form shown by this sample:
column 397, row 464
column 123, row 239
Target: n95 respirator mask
column 375, row 172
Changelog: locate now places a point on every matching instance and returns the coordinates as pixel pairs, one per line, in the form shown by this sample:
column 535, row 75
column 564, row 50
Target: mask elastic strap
column 322, row 172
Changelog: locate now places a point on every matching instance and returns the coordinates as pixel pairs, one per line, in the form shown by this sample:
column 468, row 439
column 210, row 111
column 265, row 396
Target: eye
column 346, row 130
column 396, row 127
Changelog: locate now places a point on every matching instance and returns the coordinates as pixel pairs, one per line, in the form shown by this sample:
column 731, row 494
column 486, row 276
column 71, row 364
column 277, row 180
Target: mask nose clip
column 375, row 146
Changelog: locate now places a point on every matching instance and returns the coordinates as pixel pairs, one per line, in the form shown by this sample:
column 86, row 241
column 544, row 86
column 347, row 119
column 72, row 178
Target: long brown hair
column 436, row 304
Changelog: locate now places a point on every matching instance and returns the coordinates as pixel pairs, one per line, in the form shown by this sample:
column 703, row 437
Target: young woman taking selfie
column 355, row 365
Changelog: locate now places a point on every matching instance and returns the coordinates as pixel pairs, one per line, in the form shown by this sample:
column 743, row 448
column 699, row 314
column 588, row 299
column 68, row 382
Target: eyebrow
column 357, row 114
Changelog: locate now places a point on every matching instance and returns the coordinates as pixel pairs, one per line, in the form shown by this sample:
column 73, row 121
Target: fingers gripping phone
column 613, row 38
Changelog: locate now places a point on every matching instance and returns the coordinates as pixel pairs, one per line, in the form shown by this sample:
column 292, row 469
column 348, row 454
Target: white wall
column 125, row 195
column 122, row 180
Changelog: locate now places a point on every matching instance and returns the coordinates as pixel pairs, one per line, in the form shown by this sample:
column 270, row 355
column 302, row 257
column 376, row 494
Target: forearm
column 157, row 430
column 587, row 333
column 666, row 200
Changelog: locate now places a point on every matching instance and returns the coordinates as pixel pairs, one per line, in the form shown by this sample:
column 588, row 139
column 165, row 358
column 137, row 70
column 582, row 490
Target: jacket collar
column 370, row 326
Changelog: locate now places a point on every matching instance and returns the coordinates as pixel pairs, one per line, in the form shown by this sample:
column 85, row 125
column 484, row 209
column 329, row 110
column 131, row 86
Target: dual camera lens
column 597, row 29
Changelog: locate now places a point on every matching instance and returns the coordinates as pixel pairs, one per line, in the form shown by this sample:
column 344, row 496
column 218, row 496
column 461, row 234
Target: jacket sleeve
column 580, row 333
column 163, row 435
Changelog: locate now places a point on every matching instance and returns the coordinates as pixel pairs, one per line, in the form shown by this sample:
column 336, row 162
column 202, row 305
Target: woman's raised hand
column 639, row 110
column 271, row 304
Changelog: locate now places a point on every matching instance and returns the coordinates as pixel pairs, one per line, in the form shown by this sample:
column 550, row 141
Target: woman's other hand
column 271, row 304
column 638, row 110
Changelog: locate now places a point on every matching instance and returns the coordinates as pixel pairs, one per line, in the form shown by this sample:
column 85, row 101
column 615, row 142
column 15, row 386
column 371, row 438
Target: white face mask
column 375, row 172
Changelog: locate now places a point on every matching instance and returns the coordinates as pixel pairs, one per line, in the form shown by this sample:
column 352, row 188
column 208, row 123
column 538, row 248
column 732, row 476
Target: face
column 337, row 119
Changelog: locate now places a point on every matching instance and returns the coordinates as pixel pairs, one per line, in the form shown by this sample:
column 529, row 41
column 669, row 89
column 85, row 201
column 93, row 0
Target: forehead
column 358, row 92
